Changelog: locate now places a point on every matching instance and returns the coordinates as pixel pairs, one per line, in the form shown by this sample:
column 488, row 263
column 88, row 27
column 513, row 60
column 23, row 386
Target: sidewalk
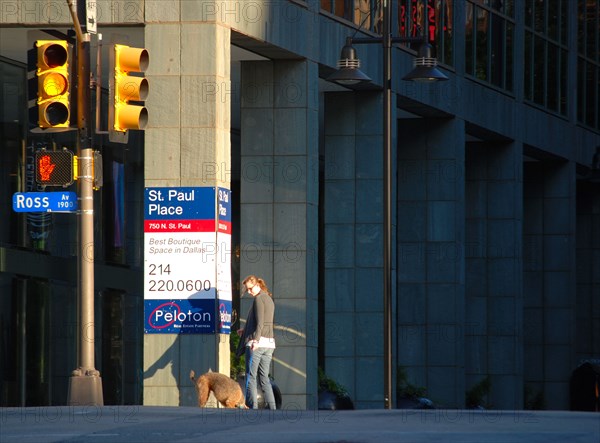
column 170, row 424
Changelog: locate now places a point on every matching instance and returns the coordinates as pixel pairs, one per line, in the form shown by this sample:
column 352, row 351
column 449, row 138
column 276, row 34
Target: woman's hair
column 257, row 281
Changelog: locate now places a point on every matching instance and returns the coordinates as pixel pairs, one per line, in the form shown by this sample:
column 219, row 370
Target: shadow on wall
column 167, row 380
column 157, row 375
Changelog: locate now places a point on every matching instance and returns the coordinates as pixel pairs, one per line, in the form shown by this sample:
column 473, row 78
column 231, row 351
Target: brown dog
column 227, row 391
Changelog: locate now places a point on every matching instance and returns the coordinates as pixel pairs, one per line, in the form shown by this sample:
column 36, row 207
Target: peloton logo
column 224, row 317
column 170, row 315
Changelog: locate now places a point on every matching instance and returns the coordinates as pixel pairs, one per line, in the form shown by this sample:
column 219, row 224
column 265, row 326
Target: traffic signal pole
column 85, row 384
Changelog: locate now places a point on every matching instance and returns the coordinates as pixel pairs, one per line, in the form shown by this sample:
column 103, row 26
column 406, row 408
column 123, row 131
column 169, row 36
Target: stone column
column 279, row 212
column 493, row 280
column 187, row 143
column 431, row 265
column 549, row 280
column 352, row 245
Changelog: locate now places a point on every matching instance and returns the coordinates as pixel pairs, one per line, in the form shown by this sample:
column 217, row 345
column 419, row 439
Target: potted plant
column 332, row 395
column 475, row 397
column 408, row 395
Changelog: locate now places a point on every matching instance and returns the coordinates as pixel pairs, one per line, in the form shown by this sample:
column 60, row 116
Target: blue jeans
column 257, row 369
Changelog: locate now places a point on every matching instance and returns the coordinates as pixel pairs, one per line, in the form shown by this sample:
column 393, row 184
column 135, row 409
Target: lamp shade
column 348, row 72
column 425, row 69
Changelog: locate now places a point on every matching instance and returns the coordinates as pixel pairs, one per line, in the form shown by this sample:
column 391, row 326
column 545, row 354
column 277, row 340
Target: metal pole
column 387, row 40
column 85, row 384
column 86, row 214
column 387, row 204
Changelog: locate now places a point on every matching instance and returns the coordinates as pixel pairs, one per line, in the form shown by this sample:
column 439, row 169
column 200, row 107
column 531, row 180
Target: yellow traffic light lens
column 53, row 84
column 133, row 88
column 53, row 114
column 131, row 59
column 131, row 117
column 55, row 55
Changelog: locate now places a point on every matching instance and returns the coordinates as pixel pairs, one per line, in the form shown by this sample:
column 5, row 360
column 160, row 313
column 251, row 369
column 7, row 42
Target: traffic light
column 54, row 168
column 52, row 85
column 127, row 89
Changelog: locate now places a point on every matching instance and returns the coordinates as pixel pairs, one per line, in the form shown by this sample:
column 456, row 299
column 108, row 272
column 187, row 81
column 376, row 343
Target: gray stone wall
column 279, row 198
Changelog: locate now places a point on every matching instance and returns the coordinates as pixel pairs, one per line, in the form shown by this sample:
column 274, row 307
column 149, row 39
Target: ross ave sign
column 45, row 201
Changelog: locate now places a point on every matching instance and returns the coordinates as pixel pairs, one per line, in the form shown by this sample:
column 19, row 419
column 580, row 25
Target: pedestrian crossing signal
column 54, row 168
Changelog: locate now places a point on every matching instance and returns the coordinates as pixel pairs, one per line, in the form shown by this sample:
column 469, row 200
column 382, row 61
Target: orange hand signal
column 46, row 167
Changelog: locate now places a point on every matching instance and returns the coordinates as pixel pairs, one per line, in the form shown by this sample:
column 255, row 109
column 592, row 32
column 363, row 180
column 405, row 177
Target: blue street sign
column 60, row 201
column 185, row 203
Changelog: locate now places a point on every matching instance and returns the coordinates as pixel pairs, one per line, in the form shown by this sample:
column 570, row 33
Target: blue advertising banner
column 191, row 316
column 224, row 319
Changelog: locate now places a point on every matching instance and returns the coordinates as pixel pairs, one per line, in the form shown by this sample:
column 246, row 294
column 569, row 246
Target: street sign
column 187, row 267
column 91, row 25
column 61, row 201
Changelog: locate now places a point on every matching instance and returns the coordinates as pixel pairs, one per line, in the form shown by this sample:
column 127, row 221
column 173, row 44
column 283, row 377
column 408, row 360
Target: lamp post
column 349, row 73
column 85, row 384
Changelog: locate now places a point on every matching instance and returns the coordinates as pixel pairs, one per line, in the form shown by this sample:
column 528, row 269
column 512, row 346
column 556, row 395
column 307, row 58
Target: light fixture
column 349, row 73
column 348, row 65
column 425, row 69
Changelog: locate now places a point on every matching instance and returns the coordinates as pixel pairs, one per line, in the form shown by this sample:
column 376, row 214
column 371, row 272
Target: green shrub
column 405, row 389
column 238, row 364
column 478, row 393
column 328, row 384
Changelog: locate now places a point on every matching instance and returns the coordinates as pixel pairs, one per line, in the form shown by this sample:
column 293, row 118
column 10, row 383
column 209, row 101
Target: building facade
column 495, row 202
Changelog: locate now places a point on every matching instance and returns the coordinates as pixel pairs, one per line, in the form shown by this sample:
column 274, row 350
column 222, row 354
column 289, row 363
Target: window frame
column 482, row 50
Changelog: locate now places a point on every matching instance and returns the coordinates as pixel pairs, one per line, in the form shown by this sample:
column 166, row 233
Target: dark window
column 546, row 53
column 489, row 37
column 363, row 13
column 13, row 105
column 588, row 63
column 439, row 19
column 367, row 14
